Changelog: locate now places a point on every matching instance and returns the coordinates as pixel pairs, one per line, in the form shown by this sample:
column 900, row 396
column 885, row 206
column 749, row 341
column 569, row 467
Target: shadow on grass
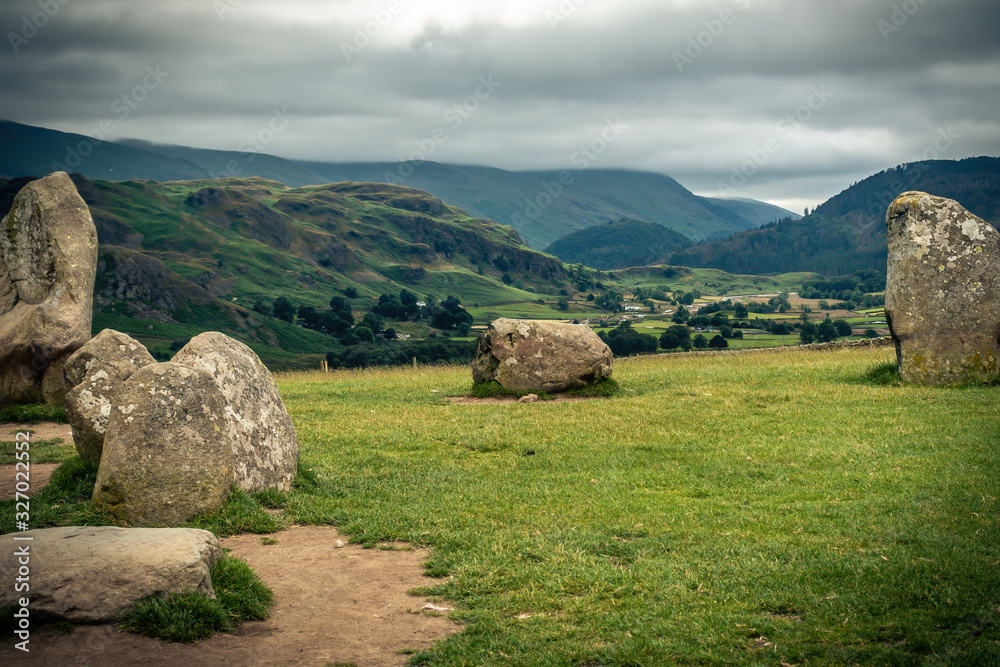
column 606, row 388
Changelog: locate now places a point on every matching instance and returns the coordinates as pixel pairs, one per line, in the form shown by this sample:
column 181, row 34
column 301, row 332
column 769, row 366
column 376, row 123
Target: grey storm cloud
column 782, row 100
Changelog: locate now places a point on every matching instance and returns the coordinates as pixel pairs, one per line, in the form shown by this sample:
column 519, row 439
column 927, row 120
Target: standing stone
column 48, row 262
column 89, row 574
column 266, row 447
column 536, row 355
column 95, row 372
column 167, row 454
column 942, row 297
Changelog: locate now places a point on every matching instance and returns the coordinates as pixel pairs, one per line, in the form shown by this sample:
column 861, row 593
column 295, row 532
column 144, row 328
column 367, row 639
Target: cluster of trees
column 401, row 308
column 679, row 337
column 844, row 287
column 685, row 298
column 625, row 341
column 773, row 326
column 660, row 293
column 609, row 302
column 863, row 289
column 824, row 332
column 334, row 322
column 339, row 321
column 855, row 301
column 776, row 304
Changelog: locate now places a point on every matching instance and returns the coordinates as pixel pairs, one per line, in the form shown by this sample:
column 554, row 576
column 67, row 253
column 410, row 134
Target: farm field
column 778, row 507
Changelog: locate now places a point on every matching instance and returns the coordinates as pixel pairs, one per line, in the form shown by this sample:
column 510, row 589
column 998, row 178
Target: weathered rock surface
column 942, row 298
column 532, row 356
column 48, row 259
column 95, row 372
column 167, row 451
column 90, row 574
column 266, row 447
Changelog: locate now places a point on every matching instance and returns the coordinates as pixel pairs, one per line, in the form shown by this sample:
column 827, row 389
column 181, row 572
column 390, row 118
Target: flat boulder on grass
column 536, row 355
column 167, row 451
column 942, row 297
column 266, row 447
column 48, row 263
column 96, row 573
column 95, row 372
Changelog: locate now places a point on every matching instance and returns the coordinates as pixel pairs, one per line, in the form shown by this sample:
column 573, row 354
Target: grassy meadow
column 782, row 507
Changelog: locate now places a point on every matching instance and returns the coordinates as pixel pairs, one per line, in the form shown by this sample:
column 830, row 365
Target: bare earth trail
column 346, row 605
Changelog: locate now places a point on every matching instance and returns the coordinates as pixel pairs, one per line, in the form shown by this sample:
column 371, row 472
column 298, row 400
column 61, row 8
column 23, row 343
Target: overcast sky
column 781, row 100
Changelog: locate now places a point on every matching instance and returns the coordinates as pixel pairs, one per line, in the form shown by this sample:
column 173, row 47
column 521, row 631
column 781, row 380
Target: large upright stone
column 167, row 452
column 266, row 447
column 942, row 298
column 536, row 355
column 96, row 573
column 95, row 372
column 48, row 261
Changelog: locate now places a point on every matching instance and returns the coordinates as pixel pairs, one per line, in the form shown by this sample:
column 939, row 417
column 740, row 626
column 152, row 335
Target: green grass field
column 762, row 509
column 779, row 507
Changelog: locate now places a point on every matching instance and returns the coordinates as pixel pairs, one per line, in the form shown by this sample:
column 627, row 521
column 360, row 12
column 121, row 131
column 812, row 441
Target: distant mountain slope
column 538, row 204
column 236, row 164
column 755, row 211
column 35, row 151
column 544, row 209
column 847, row 233
column 618, row 245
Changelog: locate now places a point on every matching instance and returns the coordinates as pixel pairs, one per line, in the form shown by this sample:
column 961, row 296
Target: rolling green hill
column 182, row 257
column 618, row 245
column 847, row 233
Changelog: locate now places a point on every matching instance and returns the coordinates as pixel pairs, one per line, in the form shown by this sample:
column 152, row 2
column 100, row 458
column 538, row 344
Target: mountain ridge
column 543, row 205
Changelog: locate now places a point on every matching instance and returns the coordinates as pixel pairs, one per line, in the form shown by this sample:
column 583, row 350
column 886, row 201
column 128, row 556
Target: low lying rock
column 265, row 445
column 95, row 372
column 167, row 451
column 537, row 355
column 92, row 574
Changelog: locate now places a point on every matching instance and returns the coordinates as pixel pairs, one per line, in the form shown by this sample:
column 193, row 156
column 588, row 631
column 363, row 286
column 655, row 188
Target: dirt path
column 345, row 605
column 39, row 472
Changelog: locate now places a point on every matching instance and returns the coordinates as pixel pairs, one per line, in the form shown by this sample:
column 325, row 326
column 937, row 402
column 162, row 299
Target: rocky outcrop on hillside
column 234, row 209
column 129, row 275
